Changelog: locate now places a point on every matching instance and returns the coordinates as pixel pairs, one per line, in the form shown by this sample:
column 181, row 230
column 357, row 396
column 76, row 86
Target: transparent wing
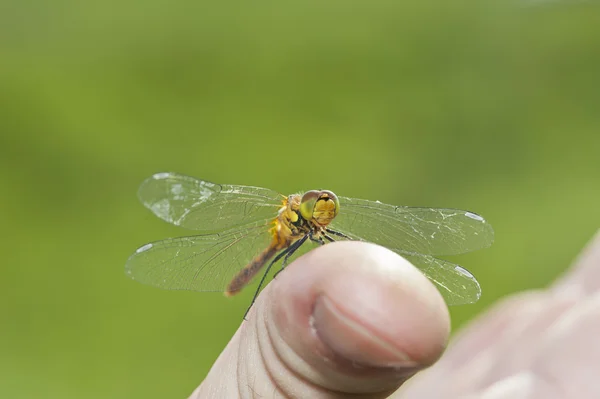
column 200, row 205
column 426, row 231
column 456, row 284
column 198, row 263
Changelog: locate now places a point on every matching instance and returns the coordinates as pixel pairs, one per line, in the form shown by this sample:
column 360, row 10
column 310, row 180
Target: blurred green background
column 487, row 107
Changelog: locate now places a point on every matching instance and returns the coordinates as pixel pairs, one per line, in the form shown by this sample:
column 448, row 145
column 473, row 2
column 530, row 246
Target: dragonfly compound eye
column 319, row 206
column 307, row 205
column 333, row 199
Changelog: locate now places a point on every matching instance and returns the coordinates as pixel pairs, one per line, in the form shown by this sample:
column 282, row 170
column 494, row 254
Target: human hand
column 534, row 345
column 355, row 319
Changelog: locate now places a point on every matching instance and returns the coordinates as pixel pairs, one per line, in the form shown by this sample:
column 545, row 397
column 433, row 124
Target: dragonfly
column 243, row 228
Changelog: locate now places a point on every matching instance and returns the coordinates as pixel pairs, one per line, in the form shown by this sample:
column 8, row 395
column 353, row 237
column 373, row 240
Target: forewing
column 198, row 263
column 426, row 231
column 200, row 205
column 456, row 284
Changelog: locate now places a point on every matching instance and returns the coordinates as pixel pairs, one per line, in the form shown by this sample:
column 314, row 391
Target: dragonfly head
column 319, row 206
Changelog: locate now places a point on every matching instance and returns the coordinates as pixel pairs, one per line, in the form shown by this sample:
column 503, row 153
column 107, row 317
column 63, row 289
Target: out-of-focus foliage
column 492, row 108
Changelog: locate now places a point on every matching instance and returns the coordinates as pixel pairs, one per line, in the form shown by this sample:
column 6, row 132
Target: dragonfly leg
column 287, row 253
column 337, row 233
column 319, row 240
column 262, row 280
column 291, row 251
column 328, row 238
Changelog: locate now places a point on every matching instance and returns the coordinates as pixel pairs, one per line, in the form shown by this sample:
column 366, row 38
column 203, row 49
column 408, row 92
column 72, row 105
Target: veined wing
column 198, row 263
column 456, row 284
column 200, row 205
column 426, row 231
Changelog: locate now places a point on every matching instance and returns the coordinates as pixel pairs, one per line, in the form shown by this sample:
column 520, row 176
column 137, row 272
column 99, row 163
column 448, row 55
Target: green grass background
column 487, row 107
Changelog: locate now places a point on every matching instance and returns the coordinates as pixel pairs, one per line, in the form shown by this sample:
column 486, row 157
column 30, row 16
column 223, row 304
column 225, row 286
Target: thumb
column 346, row 318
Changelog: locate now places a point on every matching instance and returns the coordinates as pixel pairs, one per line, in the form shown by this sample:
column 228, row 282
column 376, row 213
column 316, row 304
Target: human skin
column 353, row 319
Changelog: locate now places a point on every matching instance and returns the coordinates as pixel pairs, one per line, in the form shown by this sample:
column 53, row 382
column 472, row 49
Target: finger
column 505, row 342
column 347, row 318
column 583, row 277
column 568, row 353
column 562, row 362
column 496, row 346
column 522, row 316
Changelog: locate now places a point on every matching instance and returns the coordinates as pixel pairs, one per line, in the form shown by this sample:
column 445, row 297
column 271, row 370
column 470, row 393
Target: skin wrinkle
column 237, row 368
column 364, row 332
column 278, row 384
column 244, row 354
column 325, row 392
column 263, row 320
column 273, row 332
column 224, row 371
column 301, row 384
